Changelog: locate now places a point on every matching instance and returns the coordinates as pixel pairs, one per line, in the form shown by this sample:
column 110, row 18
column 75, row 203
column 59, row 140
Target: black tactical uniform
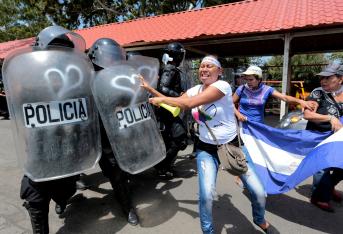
column 118, row 178
column 3, row 103
column 173, row 131
column 37, row 195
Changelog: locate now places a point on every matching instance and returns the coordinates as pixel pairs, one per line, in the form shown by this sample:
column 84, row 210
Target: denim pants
column 256, row 190
column 207, row 165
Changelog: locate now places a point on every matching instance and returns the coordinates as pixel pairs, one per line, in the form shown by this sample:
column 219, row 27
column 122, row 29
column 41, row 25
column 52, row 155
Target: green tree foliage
column 22, row 19
column 84, row 13
column 25, row 18
column 337, row 56
column 307, row 65
column 106, row 11
column 95, row 12
column 206, row 3
column 303, row 66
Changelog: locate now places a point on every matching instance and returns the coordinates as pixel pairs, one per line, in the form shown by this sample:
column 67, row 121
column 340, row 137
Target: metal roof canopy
column 310, row 41
column 296, row 41
column 286, row 44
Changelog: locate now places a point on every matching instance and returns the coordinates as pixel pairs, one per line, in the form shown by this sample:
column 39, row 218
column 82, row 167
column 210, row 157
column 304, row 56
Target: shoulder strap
column 241, row 92
column 212, row 134
column 336, row 104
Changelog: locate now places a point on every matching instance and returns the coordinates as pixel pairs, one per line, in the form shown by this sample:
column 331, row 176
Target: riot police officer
column 104, row 53
column 169, row 84
column 131, row 54
column 3, row 102
column 59, row 134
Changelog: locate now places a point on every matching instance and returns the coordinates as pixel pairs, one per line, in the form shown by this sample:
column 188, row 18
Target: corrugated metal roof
column 241, row 18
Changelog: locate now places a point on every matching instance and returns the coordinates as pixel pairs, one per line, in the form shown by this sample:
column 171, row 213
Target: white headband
column 212, row 60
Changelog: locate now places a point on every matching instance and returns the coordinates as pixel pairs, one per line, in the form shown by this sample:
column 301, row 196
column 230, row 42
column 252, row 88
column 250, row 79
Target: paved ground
column 166, row 207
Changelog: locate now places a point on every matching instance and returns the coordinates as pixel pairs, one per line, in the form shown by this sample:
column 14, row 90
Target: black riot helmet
column 62, row 40
column 131, row 54
column 59, row 36
column 174, row 52
column 105, row 52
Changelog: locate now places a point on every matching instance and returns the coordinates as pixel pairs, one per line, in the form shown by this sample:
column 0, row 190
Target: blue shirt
column 252, row 102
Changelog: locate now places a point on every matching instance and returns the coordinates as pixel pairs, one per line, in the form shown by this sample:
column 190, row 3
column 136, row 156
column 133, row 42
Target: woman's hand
column 335, row 124
column 144, row 84
column 156, row 100
column 241, row 117
column 310, row 105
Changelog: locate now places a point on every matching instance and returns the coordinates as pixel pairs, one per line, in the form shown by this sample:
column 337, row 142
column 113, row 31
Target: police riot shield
column 128, row 118
column 148, row 67
column 55, row 119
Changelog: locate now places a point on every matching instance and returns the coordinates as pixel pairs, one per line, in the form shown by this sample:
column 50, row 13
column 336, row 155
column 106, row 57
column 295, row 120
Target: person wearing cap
column 211, row 103
column 329, row 97
column 253, row 96
column 251, row 99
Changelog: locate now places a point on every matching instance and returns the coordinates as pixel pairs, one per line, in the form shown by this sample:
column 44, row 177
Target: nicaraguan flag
column 284, row 158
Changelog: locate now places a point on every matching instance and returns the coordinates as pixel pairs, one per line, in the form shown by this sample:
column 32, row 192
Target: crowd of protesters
column 216, row 110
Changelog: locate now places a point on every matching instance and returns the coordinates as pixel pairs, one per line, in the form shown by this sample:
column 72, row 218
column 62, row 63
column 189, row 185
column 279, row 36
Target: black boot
column 39, row 218
column 59, row 208
column 81, row 183
column 132, row 217
column 164, row 173
column 123, row 196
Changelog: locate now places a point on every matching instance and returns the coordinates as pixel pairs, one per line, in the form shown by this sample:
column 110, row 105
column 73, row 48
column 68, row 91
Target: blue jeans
column 256, row 190
column 207, row 165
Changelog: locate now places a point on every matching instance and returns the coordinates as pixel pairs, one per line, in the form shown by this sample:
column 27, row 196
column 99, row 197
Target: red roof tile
column 247, row 17
column 7, row 47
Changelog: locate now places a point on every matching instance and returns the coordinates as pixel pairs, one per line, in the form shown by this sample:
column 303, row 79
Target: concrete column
column 286, row 73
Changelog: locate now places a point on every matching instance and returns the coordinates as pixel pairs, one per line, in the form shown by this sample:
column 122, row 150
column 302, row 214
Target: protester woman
column 251, row 99
column 210, row 101
column 330, row 99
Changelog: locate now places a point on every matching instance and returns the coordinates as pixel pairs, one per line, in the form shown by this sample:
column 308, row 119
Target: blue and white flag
column 284, row 158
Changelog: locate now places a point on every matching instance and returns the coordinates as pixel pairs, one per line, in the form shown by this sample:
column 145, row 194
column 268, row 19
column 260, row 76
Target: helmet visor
column 108, row 55
column 46, row 36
